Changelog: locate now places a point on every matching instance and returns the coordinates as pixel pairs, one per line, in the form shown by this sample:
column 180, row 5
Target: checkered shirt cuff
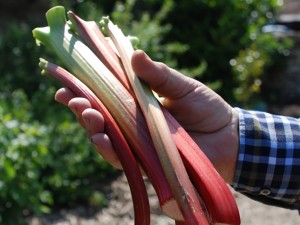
column 268, row 165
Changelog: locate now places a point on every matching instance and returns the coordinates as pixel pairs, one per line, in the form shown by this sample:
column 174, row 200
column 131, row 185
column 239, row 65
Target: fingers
column 105, row 148
column 162, row 79
column 94, row 124
column 77, row 106
column 92, row 121
column 64, row 95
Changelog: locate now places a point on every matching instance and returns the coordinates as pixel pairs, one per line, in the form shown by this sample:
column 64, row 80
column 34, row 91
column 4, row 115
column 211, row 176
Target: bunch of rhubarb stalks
column 97, row 58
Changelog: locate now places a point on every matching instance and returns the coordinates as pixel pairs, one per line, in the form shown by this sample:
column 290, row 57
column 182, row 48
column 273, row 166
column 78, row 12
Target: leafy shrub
column 39, row 167
column 218, row 33
column 255, row 64
column 24, row 153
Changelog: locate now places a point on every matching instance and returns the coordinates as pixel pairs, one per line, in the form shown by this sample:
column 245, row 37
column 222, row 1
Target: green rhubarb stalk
column 123, row 151
column 85, row 65
column 170, row 159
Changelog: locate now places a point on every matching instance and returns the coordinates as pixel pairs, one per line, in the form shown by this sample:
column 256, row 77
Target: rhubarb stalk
column 123, row 151
column 170, row 159
column 91, row 35
column 218, row 198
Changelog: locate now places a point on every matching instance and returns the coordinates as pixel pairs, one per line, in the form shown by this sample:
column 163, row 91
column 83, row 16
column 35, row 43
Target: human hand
column 210, row 121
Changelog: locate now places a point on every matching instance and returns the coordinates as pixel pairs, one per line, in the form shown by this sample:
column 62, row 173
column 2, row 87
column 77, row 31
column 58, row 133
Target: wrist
column 234, row 148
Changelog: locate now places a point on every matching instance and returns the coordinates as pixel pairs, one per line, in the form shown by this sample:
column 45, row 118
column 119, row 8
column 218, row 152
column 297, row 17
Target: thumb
column 165, row 81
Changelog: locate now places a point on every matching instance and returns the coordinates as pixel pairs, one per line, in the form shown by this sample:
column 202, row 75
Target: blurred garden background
column 246, row 50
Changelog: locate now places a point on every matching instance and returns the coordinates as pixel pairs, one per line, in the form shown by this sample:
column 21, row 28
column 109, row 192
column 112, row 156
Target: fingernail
column 93, row 140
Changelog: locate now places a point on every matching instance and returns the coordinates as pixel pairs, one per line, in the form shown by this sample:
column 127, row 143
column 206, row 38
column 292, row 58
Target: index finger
column 64, row 95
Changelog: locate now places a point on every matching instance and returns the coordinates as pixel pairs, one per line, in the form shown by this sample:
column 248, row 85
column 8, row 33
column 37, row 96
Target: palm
column 209, row 120
column 199, row 110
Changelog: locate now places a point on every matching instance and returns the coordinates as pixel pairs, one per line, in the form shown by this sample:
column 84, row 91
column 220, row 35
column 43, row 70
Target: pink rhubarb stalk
column 166, row 149
column 123, row 151
column 91, row 35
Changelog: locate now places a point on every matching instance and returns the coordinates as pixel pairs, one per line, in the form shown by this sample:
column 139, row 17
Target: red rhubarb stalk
column 123, row 151
column 169, row 157
column 217, row 196
column 91, row 35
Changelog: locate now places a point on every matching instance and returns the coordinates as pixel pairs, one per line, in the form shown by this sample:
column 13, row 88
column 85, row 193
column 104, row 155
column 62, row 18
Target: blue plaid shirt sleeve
column 268, row 165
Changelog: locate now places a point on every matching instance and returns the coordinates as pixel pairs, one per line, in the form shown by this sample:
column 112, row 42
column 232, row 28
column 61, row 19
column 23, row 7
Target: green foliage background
column 46, row 161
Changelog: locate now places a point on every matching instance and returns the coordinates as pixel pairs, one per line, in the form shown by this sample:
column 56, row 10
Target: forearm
column 268, row 165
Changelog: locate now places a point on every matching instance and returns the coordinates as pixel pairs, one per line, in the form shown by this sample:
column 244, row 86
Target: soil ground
column 119, row 211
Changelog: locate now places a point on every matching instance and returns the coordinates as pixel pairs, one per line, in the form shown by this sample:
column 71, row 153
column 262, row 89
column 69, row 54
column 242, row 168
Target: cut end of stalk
column 56, row 17
column 135, row 41
column 43, row 64
column 104, row 21
column 171, row 209
column 74, row 21
column 72, row 25
column 41, row 35
column 103, row 24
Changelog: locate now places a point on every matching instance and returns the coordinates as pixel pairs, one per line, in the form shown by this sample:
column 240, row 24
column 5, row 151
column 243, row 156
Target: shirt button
column 265, row 191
